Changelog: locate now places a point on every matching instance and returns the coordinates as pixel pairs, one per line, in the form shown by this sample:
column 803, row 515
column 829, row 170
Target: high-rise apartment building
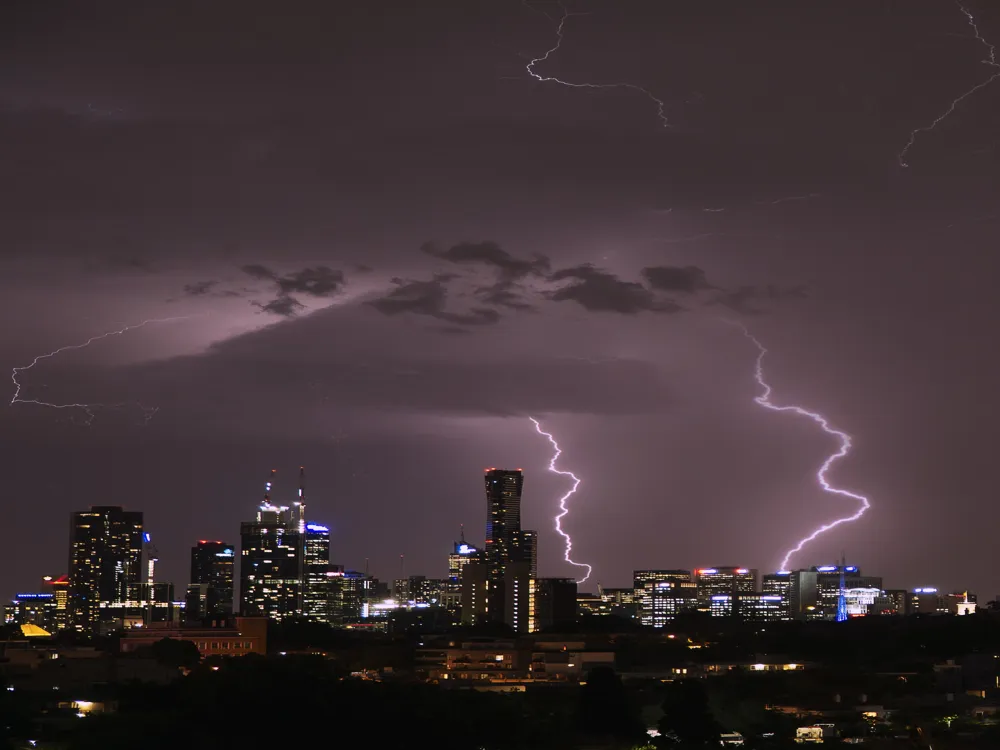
column 105, row 560
column 211, row 591
column 510, row 554
column 553, row 603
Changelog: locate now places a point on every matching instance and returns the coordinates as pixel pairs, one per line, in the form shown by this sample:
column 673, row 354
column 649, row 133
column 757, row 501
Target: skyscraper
column 105, row 560
column 211, row 590
column 317, row 583
column 271, row 560
column 503, row 517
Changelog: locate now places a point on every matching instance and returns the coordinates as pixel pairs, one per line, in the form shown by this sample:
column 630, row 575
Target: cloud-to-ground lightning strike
column 530, row 67
column 563, row 508
column 764, row 399
column 991, row 60
column 148, row 411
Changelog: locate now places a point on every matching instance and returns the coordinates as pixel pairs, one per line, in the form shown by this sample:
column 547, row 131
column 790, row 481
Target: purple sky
column 395, row 245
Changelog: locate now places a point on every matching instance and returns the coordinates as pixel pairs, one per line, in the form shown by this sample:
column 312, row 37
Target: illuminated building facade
column 147, row 603
column 779, row 584
column 475, row 593
column 271, row 558
column 58, row 586
column 317, row 583
column 828, row 582
column 722, row 605
column 105, row 559
column 503, row 518
column 32, row 609
column 518, row 591
column 760, row 607
column 659, row 595
column 507, row 546
column 661, row 601
column 351, row 593
column 712, row 581
column 211, row 591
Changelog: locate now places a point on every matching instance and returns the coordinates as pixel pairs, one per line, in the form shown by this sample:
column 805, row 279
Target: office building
column 32, row 609
column 105, row 559
column 761, row 607
column 828, row 583
column 554, row 603
column 620, row 602
column 660, row 602
column 317, row 583
column 271, row 561
column 210, row 593
column 727, row 580
column 459, row 556
column 779, row 584
column 146, row 604
column 58, row 586
column 351, row 592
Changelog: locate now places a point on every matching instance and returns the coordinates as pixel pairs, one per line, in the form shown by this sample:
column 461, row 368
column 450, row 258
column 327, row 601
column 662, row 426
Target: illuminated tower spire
column 300, row 501
column 841, row 598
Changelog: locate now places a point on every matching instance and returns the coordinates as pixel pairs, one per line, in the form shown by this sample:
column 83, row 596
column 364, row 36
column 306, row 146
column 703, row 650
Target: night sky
column 392, row 244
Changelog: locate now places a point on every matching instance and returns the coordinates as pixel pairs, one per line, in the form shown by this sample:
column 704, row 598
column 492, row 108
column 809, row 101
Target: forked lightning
column 764, row 399
column 88, row 409
column 563, row 508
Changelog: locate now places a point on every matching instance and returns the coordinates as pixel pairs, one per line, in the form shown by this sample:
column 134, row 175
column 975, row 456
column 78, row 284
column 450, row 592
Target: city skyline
column 325, row 536
column 377, row 246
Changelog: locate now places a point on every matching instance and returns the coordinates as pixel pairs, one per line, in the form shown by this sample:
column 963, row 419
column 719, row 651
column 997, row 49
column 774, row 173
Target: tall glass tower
column 105, row 560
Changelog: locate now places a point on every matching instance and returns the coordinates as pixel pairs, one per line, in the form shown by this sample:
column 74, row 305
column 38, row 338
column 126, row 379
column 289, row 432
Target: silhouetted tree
column 686, row 715
column 175, row 653
column 606, row 708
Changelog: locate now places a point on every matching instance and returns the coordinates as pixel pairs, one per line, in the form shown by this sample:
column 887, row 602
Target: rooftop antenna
column 268, row 485
column 461, row 539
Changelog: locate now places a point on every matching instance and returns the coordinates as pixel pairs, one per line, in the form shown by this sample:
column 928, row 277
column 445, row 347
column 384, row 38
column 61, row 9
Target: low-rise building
column 223, row 637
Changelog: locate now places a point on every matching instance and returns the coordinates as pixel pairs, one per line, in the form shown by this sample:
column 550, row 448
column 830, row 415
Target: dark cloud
column 752, row 300
column 600, row 291
column 199, row 288
column 490, row 254
column 430, row 298
column 285, row 306
column 321, row 281
column 686, row 279
column 504, row 294
column 259, row 272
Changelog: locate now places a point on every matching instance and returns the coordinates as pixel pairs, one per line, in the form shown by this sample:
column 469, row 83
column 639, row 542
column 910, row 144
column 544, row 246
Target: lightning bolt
column 148, row 411
column 563, row 509
column 530, row 67
column 764, row 399
column 991, row 60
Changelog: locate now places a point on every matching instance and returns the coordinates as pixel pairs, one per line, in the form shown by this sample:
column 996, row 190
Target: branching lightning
column 991, row 60
column 660, row 104
column 88, row 409
column 764, row 399
column 563, row 508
